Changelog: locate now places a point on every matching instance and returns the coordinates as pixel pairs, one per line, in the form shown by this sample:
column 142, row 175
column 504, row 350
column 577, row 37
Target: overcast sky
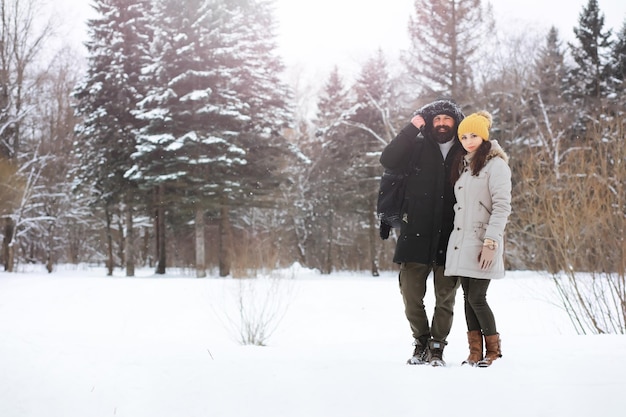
column 314, row 35
column 317, row 33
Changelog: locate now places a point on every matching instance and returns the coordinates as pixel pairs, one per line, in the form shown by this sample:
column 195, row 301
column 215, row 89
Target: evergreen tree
column 190, row 115
column 549, row 113
column 588, row 79
column 187, row 110
column 215, row 113
column 445, row 35
column 255, row 77
column 255, row 70
column 374, row 93
column 546, row 117
column 618, row 71
column 216, row 100
column 550, row 70
column 106, row 99
column 331, row 105
column 323, row 191
column 355, row 125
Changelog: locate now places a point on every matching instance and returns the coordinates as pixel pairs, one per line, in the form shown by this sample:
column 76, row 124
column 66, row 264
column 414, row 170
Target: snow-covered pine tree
column 539, row 147
column 215, row 112
column 255, row 70
column 375, row 105
column 332, row 104
column 105, row 99
column 588, row 80
column 549, row 114
column 322, row 195
column 550, row 70
column 591, row 184
column 445, row 38
column 618, row 72
column 354, row 125
column 190, row 116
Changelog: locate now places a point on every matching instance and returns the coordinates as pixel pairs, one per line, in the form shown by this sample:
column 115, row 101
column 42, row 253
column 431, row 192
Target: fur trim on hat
column 449, row 107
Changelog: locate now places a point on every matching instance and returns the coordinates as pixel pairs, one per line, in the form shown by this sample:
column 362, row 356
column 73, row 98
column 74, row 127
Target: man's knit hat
column 478, row 123
column 442, row 106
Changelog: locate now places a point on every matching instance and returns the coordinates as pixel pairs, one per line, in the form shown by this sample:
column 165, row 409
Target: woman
column 482, row 187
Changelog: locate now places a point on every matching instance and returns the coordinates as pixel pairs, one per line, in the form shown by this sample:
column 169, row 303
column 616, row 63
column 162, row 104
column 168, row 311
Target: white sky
column 314, row 35
column 315, row 39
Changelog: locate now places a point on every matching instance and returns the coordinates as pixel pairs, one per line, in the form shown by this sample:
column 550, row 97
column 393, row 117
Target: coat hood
column 449, row 107
column 497, row 152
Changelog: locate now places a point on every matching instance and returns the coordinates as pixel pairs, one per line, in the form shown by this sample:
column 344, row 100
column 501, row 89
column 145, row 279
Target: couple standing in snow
column 455, row 209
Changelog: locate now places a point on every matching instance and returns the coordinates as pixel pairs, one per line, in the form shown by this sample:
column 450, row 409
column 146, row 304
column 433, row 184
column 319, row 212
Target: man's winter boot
column 420, row 353
column 435, row 353
column 475, row 340
column 493, row 350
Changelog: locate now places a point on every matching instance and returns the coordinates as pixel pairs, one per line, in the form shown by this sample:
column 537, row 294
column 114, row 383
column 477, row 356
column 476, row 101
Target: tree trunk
column 225, row 242
column 50, row 248
column 300, row 241
column 130, row 247
column 7, row 244
column 110, row 261
column 328, row 261
column 121, row 247
column 373, row 236
column 160, row 231
column 146, row 256
column 200, row 250
column 11, row 258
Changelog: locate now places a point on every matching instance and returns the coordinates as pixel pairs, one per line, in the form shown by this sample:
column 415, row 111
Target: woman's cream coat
column 481, row 211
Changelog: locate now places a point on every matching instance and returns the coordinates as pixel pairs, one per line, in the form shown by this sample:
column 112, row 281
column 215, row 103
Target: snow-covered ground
column 79, row 344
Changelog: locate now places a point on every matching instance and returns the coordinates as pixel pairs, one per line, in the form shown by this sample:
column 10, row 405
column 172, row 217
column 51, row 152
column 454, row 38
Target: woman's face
column 471, row 142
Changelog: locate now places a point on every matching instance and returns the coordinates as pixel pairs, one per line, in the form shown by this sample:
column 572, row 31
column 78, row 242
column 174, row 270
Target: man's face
column 443, row 128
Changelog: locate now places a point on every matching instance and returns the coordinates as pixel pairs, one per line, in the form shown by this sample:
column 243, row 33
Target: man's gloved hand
column 487, row 254
column 384, row 230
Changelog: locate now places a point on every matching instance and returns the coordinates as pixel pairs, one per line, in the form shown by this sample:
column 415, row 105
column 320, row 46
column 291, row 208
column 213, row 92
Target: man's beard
column 442, row 134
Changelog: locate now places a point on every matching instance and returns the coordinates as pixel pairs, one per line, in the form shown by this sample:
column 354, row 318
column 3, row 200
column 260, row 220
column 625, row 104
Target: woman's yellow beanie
column 478, row 123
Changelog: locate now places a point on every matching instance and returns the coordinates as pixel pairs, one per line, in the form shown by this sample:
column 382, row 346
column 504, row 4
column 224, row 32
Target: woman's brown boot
column 475, row 340
column 493, row 348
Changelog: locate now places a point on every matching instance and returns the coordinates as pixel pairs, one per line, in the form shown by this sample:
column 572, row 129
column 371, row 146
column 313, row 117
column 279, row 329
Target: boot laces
column 420, row 351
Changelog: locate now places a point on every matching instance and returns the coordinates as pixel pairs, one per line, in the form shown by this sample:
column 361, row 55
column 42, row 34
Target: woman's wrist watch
column 490, row 243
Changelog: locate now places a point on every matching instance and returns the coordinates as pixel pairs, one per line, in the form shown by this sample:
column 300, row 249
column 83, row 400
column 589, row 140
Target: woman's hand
column 487, row 254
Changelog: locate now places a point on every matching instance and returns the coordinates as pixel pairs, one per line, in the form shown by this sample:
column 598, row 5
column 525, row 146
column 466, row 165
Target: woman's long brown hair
column 478, row 161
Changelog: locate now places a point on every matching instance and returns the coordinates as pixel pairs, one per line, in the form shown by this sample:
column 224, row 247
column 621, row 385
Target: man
column 427, row 221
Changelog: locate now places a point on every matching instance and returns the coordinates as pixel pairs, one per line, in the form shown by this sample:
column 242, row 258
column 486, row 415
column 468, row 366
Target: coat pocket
column 480, row 229
column 484, row 206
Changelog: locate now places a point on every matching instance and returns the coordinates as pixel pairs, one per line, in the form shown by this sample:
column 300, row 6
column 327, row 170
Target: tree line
column 178, row 143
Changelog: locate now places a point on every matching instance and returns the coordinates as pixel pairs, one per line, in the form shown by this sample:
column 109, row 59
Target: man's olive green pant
column 413, row 278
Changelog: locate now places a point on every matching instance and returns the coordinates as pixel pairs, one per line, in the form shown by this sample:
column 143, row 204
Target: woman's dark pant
column 478, row 314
